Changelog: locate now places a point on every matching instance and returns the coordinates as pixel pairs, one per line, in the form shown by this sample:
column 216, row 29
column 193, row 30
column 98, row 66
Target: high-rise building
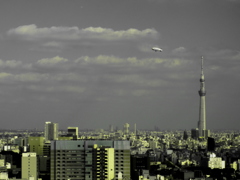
column 90, row 159
column 51, row 131
column 36, row 144
column 185, row 135
column 73, row 131
column 103, row 163
column 195, row 133
column 29, row 166
column 42, row 150
column 203, row 132
column 211, row 144
column 126, row 128
column 138, row 164
column 135, row 129
column 111, row 128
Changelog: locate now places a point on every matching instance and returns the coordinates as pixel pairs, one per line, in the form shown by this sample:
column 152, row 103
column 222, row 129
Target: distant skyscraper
column 135, row 129
column 195, row 133
column 203, row 132
column 185, row 135
column 73, row 131
column 111, row 128
column 211, row 144
column 51, row 131
column 126, row 128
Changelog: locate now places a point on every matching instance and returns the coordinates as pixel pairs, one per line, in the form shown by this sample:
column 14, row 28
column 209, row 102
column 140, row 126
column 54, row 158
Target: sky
column 89, row 63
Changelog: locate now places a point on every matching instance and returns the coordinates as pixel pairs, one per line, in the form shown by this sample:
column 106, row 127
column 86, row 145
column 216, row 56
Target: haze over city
column 89, row 63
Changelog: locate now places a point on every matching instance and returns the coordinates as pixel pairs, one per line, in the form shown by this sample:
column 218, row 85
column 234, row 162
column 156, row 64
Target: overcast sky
column 89, row 63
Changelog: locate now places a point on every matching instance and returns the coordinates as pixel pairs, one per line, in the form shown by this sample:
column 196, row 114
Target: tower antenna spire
column 202, row 75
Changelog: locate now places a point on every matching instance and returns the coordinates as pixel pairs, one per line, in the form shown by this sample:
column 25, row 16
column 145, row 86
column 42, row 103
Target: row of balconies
column 71, row 158
column 65, row 152
column 70, row 172
column 58, row 161
column 70, row 165
column 74, row 151
column 120, row 154
column 70, row 176
column 119, row 150
column 101, row 154
column 70, row 151
column 105, row 176
column 98, row 161
column 78, row 165
column 72, row 169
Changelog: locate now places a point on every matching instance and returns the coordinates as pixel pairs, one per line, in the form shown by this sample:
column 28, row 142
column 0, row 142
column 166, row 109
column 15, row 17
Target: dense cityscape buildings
column 117, row 155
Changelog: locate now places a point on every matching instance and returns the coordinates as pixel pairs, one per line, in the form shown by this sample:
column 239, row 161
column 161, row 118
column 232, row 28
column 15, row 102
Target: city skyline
column 89, row 63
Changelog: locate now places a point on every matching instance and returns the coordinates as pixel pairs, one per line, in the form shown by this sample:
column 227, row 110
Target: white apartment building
column 29, row 166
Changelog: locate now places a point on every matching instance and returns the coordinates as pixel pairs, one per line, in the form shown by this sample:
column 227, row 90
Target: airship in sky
column 157, row 49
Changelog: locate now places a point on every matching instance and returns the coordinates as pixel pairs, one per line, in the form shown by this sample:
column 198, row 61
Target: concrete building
column 216, row 162
column 213, row 162
column 195, row 133
column 4, row 175
column 90, row 159
column 153, row 144
column 103, row 163
column 29, row 166
column 51, row 131
column 37, row 144
column 44, row 167
column 73, row 131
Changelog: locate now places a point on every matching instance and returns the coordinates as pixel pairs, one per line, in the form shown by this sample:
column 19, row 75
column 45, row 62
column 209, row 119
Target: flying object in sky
column 156, row 49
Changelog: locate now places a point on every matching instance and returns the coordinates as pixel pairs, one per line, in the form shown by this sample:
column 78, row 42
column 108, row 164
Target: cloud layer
column 32, row 32
column 117, row 75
